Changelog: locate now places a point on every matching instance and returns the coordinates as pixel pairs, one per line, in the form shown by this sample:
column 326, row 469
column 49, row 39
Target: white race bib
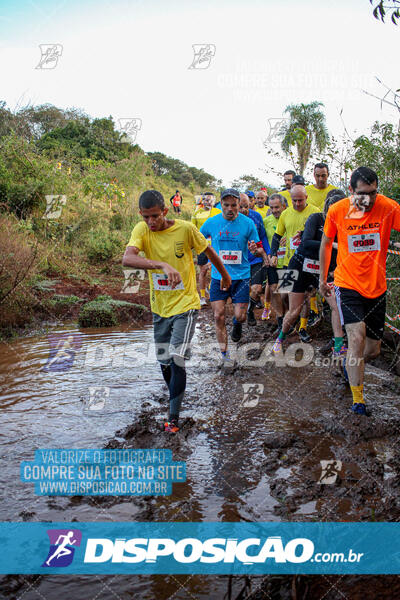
column 295, row 243
column 281, row 252
column 161, row 283
column 311, row 266
column 364, row 242
column 231, row 257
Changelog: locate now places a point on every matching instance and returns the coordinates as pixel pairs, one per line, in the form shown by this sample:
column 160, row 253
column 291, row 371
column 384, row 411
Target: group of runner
column 311, row 236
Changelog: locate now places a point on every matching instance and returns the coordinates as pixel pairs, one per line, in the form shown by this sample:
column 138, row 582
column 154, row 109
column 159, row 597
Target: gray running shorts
column 172, row 336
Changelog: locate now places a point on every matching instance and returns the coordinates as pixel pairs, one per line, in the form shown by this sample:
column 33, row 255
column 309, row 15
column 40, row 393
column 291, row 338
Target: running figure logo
column 50, row 55
column 287, row 279
column 54, row 206
column 97, row 398
column 129, row 128
column 330, row 471
column 131, row 284
column 276, row 130
column 63, row 347
column 62, row 547
column 203, row 53
column 251, row 394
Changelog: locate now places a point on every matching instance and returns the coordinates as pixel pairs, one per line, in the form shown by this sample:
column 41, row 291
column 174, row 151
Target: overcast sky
column 131, row 59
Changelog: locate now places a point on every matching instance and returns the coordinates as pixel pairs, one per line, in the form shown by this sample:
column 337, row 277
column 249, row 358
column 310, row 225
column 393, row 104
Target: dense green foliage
column 46, row 151
column 385, row 7
column 381, row 151
column 249, row 182
column 181, row 173
column 96, row 177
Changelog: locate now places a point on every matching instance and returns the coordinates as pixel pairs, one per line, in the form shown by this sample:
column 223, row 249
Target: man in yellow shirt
column 199, row 217
column 317, row 193
column 291, row 223
column 261, row 205
column 277, row 204
column 288, row 179
column 167, row 245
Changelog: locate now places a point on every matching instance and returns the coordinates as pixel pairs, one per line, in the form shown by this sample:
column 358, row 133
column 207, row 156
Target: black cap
column 230, row 192
column 298, row 180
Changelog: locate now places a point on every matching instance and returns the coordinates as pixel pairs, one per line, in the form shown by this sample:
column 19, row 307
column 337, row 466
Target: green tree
column 381, row 151
column 39, row 120
column 9, row 122
column 306, row 130
column 249, row 182
column 181, row 172
column 84, row 138
column 386, row 6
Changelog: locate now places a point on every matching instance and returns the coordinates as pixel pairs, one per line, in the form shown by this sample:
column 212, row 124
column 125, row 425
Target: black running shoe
column 251, row 320
column 236, row 332
column 313, row 319
column 304, row 336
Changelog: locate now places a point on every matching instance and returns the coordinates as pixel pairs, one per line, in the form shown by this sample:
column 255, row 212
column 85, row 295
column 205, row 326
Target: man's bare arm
column 219, row 265
column 132, row 259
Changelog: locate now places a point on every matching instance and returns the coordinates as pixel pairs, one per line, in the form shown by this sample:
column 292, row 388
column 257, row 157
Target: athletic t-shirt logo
column 179, row 249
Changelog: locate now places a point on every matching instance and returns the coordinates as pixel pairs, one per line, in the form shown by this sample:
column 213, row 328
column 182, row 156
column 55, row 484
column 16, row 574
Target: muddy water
column 252, row 459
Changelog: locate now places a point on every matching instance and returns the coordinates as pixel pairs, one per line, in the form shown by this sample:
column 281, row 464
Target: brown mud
column 46, row 313
column 253, row 459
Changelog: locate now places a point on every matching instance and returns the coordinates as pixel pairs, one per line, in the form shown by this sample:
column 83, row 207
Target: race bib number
column 281, row 252
column 231, row 257
column 311, row 266
column 364, row 242
column 161, row 283
column 295, row 243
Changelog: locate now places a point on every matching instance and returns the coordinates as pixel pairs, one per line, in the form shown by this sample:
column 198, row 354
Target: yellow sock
column 313, row 304
column 203, row 293
column 303, row 322
column 358, row 396
column 267, row 304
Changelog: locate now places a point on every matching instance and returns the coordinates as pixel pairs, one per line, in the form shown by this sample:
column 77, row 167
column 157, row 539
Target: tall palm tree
column 306, row 129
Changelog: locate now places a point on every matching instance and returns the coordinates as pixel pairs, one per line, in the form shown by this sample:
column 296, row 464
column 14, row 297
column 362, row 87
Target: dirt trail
column 254, row 458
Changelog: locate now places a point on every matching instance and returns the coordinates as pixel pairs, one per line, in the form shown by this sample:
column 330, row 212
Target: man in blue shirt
column 252, row 198
column 258, row 270
column 232, row 235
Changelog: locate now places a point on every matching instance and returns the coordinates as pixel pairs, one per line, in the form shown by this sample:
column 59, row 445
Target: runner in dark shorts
column 362, row 224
